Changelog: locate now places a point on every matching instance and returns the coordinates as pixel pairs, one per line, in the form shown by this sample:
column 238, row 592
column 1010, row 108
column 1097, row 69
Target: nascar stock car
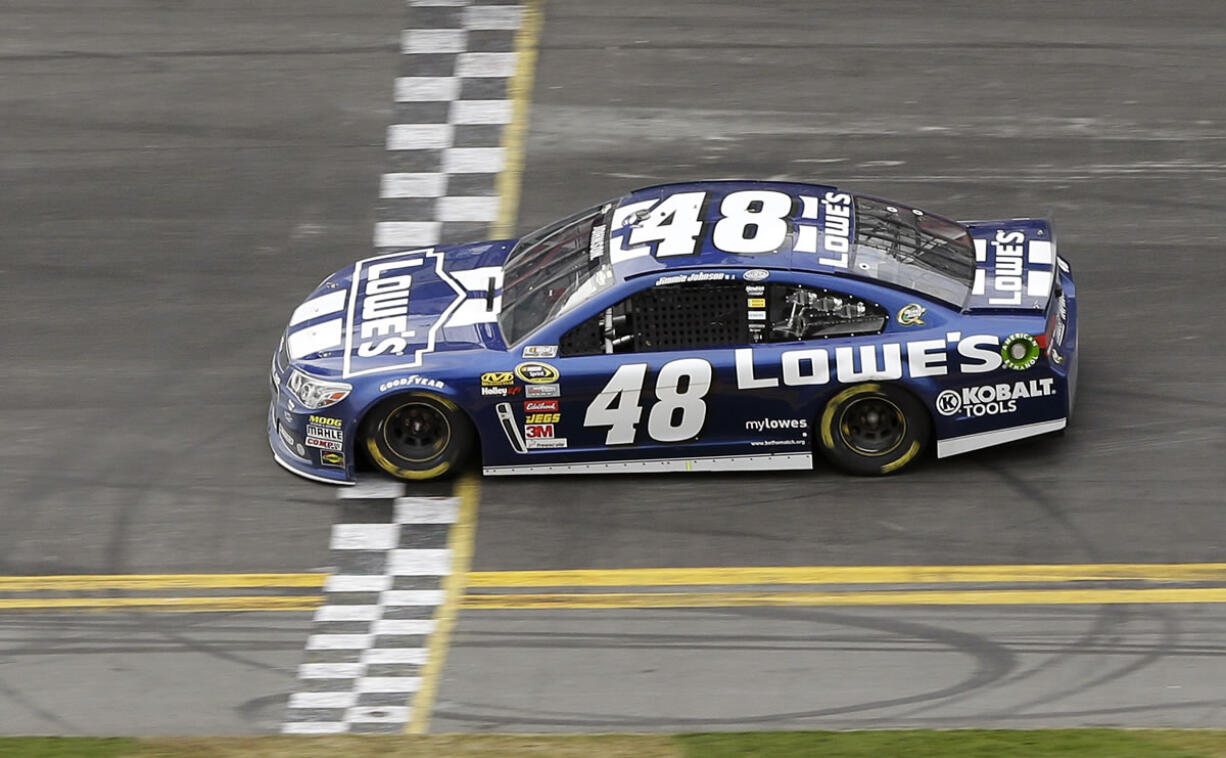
column 717, row 325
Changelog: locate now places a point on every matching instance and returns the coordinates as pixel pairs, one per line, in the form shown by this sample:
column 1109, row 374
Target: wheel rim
column 416, row 432
column 872, row 426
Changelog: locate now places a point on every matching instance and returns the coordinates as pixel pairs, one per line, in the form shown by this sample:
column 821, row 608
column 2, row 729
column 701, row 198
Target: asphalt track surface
column 174, row 179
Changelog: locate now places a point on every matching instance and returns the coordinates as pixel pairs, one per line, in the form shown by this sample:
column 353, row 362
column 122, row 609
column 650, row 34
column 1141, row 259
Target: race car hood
column 1015, row 265
column 392, row 312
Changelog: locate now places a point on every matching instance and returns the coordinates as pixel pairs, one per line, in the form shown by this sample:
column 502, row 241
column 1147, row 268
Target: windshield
column 910, row 248
column 552, row 270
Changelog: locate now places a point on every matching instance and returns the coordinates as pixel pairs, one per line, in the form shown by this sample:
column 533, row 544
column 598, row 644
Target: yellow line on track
column 83, row 582
column 661, row 577
column 894, row 598
column 164, row 604
column 520, row 86
column 460, row 543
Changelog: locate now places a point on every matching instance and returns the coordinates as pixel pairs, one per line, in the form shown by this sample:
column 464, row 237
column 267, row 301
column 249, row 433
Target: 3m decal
column 1019, row 351
column 332, row 459
column 538, row 431
column 680, row 410
column 911, row 315
column 325, row 421
column 542, row 418
column 416, row 380
column 536, row 373
column 541, row 406
column 991, row 399
column 497, row 378
column 542, row 390
column 540, row 351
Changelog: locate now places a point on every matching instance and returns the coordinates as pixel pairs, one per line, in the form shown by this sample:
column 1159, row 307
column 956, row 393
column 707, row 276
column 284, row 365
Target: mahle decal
column 911, row 315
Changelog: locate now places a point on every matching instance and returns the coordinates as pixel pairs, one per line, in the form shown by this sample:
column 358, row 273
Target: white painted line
column 322, row 699
column 347, row 613
column 415, row 655
column 373, row 487
column 426, row 89
column 314, row 727
column 478, row 65
column 333, row 302
column 311, row 340
column 410, row 562
column 402, row 626
column 444, row 3
column 407, row 233
column 474, row 160
column 395, row 598
column 491, row 17
column 1038, row 283
column 475, row 311
column 357, row 583
column 427, row 510
column 967, row 443
column 419, row 136
column 338, row 641
column 480, row 112
column 413, row 185
column 377, row 714
column 388, row 684
column 331, row 670
column 417, row 41
column 1040, row 251
column 467, row 208
column 365, row 536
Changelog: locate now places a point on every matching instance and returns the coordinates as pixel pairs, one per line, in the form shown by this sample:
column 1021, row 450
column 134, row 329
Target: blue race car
column 710, row 326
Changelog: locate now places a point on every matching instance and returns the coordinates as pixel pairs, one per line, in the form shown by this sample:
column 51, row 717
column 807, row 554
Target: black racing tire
column 416, row 436
column 873, row 429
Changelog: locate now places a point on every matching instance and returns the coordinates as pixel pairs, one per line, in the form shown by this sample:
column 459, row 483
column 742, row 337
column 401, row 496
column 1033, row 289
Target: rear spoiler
column 1015, row 265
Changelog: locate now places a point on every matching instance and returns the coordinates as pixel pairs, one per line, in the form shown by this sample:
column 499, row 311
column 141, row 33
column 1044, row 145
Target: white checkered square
column 419, row 41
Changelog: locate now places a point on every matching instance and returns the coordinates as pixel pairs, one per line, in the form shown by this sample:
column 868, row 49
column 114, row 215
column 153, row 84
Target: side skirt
column 957, row 445
column 786, row 461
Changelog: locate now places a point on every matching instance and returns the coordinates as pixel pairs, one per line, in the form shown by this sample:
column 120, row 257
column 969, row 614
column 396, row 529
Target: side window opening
column 797, row 312
column 681, row 316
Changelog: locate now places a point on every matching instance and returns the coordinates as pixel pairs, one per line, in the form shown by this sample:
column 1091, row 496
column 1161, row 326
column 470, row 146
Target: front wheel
column 873, row 429
column 417, row 436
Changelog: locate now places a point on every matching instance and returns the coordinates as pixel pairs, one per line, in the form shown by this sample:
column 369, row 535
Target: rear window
column 910, row 248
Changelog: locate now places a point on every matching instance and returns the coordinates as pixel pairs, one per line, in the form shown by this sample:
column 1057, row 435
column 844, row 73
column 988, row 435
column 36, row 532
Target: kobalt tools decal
column 382, row 320
column 991, row 399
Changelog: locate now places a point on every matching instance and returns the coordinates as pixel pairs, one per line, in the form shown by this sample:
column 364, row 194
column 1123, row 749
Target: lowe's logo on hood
column 390, row 316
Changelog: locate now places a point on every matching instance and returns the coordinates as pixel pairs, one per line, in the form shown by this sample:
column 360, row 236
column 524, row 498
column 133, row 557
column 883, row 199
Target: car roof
column 707, row 255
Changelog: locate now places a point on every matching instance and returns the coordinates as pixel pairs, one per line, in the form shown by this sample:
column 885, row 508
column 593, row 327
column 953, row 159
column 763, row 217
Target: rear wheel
column 417, row 436
column 873, row 429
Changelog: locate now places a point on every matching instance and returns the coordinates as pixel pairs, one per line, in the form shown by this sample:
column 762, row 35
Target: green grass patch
column 958, row 743
column 961, row 743
column 66, row 747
